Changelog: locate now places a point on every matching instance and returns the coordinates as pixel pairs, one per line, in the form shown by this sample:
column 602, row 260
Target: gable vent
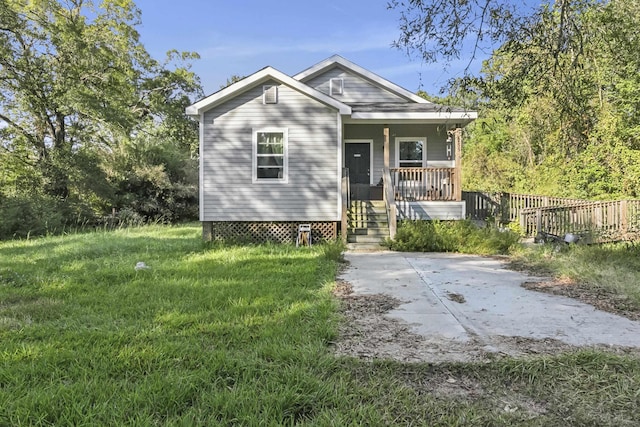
column 269, row 94
column 336, row 86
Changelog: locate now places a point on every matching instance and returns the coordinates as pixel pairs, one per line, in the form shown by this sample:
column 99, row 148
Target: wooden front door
column 357, row 158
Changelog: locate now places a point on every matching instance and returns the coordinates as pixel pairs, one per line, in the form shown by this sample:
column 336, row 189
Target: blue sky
column 242, row 36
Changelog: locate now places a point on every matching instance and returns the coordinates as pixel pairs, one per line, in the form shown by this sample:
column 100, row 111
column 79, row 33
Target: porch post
column 386, row 147
column 458, row 164
column 389, row 202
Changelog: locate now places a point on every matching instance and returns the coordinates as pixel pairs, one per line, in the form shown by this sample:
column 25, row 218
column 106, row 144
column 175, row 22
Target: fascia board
column 255, row 79
column 345, row 63
column 464, row 115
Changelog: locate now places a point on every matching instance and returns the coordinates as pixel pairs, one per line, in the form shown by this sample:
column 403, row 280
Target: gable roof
column 267, row 73
column 339, row 61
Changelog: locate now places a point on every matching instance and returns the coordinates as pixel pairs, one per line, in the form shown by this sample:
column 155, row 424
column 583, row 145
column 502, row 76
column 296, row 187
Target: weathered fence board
column 606, row 221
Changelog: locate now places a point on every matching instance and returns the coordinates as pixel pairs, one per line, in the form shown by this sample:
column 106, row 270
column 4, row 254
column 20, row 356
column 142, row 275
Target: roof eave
column 462, row 115
column 339, row 60
column 268, row 73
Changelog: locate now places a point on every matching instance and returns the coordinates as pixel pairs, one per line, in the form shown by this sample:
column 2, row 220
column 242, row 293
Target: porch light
column 449, row 144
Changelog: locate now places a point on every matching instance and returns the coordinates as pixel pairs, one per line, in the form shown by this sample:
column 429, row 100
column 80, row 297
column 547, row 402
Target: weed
column 452, row 236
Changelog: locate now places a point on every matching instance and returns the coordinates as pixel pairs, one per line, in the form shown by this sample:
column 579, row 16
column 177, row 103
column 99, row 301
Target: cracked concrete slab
column 463, row 298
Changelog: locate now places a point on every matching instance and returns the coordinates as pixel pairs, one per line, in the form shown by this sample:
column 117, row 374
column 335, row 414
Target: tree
column 73, row 75
column 75, row 84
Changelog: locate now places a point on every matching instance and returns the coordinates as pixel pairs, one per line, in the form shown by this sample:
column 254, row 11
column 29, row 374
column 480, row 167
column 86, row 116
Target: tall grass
column 452, row 236
column 204, row 334
column 611, row 267
column 214, row 334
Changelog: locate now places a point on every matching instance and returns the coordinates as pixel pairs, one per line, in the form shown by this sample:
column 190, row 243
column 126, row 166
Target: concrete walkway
column 462, row 298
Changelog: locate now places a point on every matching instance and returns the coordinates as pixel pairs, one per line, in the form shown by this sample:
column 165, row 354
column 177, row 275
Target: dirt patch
column 602, row 299
column 455, row 297
column 367, row 332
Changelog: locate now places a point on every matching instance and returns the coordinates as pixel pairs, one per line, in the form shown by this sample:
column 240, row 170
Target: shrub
column 37, row 214
column 452, row 236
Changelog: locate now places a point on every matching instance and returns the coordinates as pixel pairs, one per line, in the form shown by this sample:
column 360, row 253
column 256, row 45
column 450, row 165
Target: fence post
column 624, row 225
column 505, row 214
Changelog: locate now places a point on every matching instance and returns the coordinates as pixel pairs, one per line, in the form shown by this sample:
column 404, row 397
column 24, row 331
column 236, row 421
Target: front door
column 357, row 158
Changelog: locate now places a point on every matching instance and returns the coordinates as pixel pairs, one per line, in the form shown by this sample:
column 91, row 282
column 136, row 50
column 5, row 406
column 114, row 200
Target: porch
column 408, row 192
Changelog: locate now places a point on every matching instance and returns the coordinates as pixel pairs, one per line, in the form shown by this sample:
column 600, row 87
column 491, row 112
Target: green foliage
column 558, row 98
column 452, row 236
column 77, row 86
column 155, row 179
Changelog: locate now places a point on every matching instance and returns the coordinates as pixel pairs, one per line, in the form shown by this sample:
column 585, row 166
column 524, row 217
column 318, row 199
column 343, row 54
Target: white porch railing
column 417, row 184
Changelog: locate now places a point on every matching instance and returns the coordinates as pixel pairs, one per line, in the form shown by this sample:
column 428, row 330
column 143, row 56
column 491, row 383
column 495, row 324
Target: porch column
column 458, row 164
column 386, row 147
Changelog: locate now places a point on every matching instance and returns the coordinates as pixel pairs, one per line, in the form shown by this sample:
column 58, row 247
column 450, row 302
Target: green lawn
column 233, row 335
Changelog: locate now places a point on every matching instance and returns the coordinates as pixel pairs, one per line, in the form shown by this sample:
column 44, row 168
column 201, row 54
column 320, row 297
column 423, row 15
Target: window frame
column 255, row 156
column 423, row 162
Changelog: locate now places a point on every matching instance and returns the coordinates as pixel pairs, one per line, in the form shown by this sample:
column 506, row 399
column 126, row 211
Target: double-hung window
column 270, row 155
column 410, row 152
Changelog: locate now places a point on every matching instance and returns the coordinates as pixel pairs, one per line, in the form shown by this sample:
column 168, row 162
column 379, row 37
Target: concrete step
column 380, row 232
column 365, row 247
column 357, row 238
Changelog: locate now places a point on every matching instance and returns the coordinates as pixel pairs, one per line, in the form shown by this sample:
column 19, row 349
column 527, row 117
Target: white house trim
column 458, row 115
column 339, row 163
column 201, row 166
column 257, row 78
column 400, row 139
column 285, row 155
column 335, row 60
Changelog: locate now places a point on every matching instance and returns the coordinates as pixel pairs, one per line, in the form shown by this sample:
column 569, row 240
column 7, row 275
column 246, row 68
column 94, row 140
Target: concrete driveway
column 461, row 298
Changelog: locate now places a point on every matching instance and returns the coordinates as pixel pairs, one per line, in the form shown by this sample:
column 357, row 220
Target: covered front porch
column 413, row 167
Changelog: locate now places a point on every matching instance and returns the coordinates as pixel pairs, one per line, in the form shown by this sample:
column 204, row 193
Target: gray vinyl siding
column 311, row 193
column 436, row 142
column 356, row 89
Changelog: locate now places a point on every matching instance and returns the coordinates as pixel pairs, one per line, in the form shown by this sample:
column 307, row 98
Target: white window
column 269, row 94
column 336, row 86
column 410, row 152
column 270, row 155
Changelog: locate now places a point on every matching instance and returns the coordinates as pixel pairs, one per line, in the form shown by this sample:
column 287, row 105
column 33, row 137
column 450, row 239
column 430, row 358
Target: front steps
column 368, row 225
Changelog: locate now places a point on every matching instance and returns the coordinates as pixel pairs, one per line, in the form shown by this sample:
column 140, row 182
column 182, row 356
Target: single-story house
column 279, row 150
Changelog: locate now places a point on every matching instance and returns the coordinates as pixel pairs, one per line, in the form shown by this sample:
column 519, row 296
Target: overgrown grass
column 612, row 267
column 239, row 335
column 452, row 236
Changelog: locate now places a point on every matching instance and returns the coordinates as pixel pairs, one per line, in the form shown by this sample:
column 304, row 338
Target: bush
column 36, row 214
column 452, row 236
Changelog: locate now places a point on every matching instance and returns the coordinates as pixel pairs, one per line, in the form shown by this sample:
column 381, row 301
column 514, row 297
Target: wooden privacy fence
column 602, row 221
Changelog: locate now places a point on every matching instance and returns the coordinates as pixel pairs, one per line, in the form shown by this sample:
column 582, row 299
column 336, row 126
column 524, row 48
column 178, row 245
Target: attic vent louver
column 269, row 94
column 336, row 86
